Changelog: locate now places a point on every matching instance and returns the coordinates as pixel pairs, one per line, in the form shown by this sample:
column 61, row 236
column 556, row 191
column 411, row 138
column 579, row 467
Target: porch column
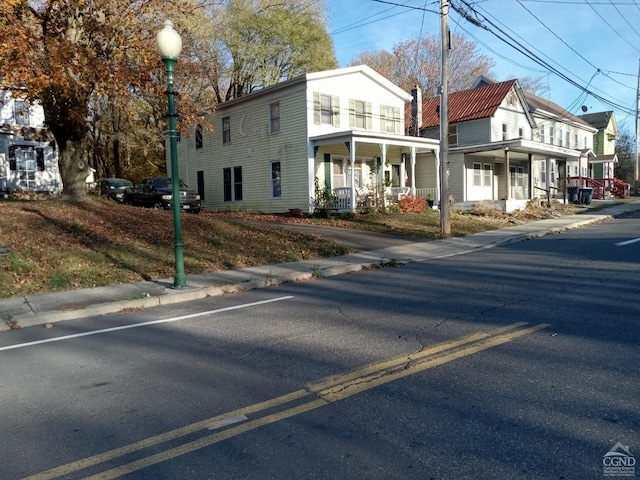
column 547, row 166
column 436, row 159
column 311, row 174
column 413, row 170
column 352, row 161
column 530, row 173
column 507, row 173
column 383, row 150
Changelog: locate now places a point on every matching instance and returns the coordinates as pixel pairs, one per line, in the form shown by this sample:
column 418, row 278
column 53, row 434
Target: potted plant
column 430, row 200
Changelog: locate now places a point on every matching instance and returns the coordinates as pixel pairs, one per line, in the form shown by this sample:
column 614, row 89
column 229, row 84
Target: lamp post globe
column 169, row 46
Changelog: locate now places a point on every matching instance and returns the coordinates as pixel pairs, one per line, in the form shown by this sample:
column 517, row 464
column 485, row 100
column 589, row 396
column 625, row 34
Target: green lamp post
column 169, row 45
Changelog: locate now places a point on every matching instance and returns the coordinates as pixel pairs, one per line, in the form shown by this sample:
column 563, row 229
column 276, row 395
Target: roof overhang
column 519, row 149
column 604, row 159
column 362, row 136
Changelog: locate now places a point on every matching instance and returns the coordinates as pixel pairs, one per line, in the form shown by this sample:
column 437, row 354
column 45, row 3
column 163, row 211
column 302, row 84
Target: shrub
column 412, row 204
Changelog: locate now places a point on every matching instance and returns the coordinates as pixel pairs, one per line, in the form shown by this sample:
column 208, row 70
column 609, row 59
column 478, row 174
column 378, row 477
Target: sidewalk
column 25, row 311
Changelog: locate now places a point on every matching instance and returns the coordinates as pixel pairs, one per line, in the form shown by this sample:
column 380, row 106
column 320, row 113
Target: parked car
column 113, row 188
column 157, row 192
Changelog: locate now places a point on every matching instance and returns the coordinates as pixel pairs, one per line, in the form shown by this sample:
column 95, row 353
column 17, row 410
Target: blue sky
column 592, row 43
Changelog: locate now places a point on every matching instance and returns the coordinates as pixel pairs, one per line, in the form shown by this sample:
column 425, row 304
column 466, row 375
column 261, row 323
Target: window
column 276, row 180
column 198, row 136
column 477, row 175
column 560, row 137
column 568, row 170
column 585, row 142
column 337, row 173
column 26, row 160
column 487, row 174
column 521, row 132
column 517, row 176
column 360, row 114
column 520, row 177
column 551, row 133
column 575, row 140
column 453, row 135
column 200, row 183
column 543, row 172
column 232, row 183
column 274, row 118
column 568, row 139
column 21, row 110
column 542, row 133
column 326, row 110
column 389, row 119
column 505, row 129
column 237, row 183
column 226, row 130
column 553, row 172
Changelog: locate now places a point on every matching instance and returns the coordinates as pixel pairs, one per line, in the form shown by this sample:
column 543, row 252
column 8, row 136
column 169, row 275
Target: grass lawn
column 54, row 245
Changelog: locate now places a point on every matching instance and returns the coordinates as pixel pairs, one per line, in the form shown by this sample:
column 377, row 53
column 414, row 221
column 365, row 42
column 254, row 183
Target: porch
column 342, row 197
column 359, row 169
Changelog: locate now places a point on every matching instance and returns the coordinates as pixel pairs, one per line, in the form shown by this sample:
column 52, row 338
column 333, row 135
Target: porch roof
column 519, row 149
column 363, row 136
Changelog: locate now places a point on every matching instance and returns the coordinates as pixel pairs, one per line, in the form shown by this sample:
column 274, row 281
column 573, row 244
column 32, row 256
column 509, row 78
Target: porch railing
column 342, row 196
column 599, row 185
column 426, row 192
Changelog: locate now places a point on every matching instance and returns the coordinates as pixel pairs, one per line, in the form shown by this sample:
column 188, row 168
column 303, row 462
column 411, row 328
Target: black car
column 114, row 188
column 157, row 192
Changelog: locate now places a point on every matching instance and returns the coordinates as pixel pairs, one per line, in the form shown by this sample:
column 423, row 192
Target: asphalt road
column 519, row 362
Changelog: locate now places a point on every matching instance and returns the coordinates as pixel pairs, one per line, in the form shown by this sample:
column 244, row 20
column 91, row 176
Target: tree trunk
column 116, row 158
column 74, row 170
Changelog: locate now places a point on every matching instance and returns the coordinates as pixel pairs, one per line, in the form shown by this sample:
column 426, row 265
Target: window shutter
column 368, row 107
column 336, row 111
column 352, row 113
column 396, row 119
column 316, row 108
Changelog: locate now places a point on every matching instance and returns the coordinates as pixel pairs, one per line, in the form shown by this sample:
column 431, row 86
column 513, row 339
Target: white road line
column 144, row 324
column 628, row 242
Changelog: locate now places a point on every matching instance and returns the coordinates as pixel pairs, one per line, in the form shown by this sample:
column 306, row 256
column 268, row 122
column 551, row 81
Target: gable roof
column 599, row 120
column 473, row 104
column 364, row 70
column 539, row 103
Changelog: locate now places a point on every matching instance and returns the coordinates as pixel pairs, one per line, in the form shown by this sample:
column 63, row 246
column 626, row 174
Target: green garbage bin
column 585, row 195
column 572, row 194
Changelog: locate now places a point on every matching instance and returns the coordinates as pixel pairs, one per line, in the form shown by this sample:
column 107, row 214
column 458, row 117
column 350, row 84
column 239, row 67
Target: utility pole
column 445, row 45
column 636, row 168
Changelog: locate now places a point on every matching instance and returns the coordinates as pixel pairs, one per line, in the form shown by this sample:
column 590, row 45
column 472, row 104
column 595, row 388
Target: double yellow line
column 315, row 395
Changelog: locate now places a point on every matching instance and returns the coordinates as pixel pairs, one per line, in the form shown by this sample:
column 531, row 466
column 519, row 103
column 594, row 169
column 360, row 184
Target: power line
column 569, row 46
column 624, row 18
column 528, row 53
column 612, row 29
column 362, row 23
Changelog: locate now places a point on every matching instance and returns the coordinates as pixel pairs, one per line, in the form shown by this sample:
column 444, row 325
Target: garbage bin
column 572, row 194
column 585, row 195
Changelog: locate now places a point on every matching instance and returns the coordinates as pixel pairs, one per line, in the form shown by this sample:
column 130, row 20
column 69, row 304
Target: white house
column 505, row 145
column 28, row 155
column 339, row 131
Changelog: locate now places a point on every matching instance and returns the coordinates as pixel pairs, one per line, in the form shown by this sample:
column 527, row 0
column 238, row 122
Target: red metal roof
column 466, row 105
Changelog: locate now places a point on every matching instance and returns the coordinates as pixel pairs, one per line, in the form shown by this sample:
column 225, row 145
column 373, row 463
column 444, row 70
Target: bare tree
column 417, row 62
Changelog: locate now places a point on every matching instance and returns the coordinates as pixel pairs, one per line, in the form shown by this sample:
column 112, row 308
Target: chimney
column 416, row 111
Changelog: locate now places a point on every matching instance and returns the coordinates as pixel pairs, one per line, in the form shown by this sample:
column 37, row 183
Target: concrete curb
column 46, row 308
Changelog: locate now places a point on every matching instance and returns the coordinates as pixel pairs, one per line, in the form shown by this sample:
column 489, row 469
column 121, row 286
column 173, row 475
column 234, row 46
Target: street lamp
column 169, row 46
